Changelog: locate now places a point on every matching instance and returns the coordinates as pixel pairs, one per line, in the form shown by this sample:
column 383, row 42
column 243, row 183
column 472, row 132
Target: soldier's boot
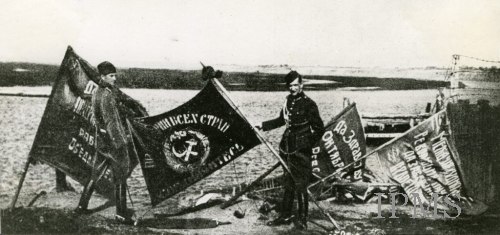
column 83, row 204
column 286, row 216
column 123, row 215
column 301, row 222
column 305, row 214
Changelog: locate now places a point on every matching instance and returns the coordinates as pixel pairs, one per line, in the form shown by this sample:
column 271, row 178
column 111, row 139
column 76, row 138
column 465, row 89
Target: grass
column 29, row 74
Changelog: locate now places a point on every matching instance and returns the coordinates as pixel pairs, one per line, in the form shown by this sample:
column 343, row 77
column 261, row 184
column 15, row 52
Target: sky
column 179, row 34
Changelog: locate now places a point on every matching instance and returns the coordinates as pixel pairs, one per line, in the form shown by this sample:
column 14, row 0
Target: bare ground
column 53, row 213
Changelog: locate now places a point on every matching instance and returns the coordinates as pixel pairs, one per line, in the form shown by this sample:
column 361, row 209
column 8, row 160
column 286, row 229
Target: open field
column 20, row 116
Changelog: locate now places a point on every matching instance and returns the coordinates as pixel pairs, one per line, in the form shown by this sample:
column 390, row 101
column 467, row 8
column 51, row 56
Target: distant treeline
column 29, row 74
column 487, row 74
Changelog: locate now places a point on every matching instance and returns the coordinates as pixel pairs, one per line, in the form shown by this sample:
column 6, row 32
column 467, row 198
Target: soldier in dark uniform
column 113, row 141
column 304, row 127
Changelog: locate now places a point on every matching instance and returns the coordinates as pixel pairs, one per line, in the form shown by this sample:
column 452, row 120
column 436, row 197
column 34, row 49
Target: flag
column 342, row 143
column 182, row 146
column 422, row 162
column 340, row 151
column 66, row 137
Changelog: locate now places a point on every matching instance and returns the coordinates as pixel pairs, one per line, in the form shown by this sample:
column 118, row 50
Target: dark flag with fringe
column 180, row 147
column 67, row 138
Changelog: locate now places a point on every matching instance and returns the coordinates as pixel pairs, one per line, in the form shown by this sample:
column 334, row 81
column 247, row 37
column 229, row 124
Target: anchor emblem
column 186, row 148
column 188, row 152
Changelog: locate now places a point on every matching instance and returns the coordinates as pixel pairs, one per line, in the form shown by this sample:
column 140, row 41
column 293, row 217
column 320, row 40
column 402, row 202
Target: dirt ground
column 53, row 213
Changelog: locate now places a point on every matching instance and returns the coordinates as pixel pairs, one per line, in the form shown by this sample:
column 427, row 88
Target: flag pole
column 366, row 155
column 275, row 153
column 20, row 185
column 28, row 162
column 232, row 200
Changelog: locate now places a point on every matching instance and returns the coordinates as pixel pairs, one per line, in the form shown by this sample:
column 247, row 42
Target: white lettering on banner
column 420, row 171
column 332, row 149
column 340, row 128
column 428, row 170
column 393, row 155
column 399, row 172
column 193, row 118
column 422, row 151
column 358, row 174
column 421, row 135
column 228, row 156
column 78, row 148
column 353, row 144
column 187, row 118
column 444, row 159
column 90, row 88
column 314, row 159
column 86, row 136
column 83, row 107
column 438, row 187
column 409, row 156
column 148, row 161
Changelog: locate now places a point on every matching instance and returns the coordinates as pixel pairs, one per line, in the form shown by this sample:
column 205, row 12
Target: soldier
column 113, row 142
column 304, row 127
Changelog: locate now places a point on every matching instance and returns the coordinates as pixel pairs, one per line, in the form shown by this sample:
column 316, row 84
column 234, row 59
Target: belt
column 296, row 125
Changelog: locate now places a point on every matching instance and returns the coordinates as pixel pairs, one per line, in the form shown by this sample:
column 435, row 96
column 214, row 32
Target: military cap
column 291, row 76
column 106, row 68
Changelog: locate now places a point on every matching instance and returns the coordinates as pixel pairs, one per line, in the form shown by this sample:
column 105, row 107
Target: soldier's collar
column 296, row 97
column 104, row 84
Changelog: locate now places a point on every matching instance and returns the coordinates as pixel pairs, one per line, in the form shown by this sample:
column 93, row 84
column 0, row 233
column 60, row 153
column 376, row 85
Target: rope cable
column 457, row 56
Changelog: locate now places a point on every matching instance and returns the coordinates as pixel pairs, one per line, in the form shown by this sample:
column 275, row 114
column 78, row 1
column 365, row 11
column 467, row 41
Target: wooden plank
column 383, row 135
column 395, row 116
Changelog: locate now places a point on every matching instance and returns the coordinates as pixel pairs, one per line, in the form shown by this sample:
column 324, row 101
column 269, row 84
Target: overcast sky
column 179, row 34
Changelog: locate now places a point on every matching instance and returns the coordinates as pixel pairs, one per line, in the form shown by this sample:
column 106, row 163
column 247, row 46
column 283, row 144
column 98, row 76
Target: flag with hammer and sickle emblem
column 180, row 147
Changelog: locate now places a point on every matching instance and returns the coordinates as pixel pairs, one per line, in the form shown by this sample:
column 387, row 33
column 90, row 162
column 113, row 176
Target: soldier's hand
column 258, row 127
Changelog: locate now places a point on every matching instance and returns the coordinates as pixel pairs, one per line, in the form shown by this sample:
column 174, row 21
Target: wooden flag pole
column 249, row 187
column 20, row 185
column 275, row 153
column 313, row 198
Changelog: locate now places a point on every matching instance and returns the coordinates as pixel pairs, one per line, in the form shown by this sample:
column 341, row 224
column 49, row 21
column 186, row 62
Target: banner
column 180, row 147
column 422, row 163
column 342, row 143
column 66, row 137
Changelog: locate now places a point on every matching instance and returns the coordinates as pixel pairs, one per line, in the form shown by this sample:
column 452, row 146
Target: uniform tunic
column 112, row 142
column 304, row 128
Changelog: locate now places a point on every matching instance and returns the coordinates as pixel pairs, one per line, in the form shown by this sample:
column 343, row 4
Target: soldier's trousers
column 120, row 197
column 296, row 183
column 120, row 190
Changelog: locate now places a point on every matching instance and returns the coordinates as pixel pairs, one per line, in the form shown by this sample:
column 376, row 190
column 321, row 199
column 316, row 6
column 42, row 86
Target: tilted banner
column 342, row 143
column 422, row 162
column 66, row 137
column 180, row 147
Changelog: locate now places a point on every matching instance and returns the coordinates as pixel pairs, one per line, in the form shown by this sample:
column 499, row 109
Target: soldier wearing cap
column 113, row 141
column 304, row 127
